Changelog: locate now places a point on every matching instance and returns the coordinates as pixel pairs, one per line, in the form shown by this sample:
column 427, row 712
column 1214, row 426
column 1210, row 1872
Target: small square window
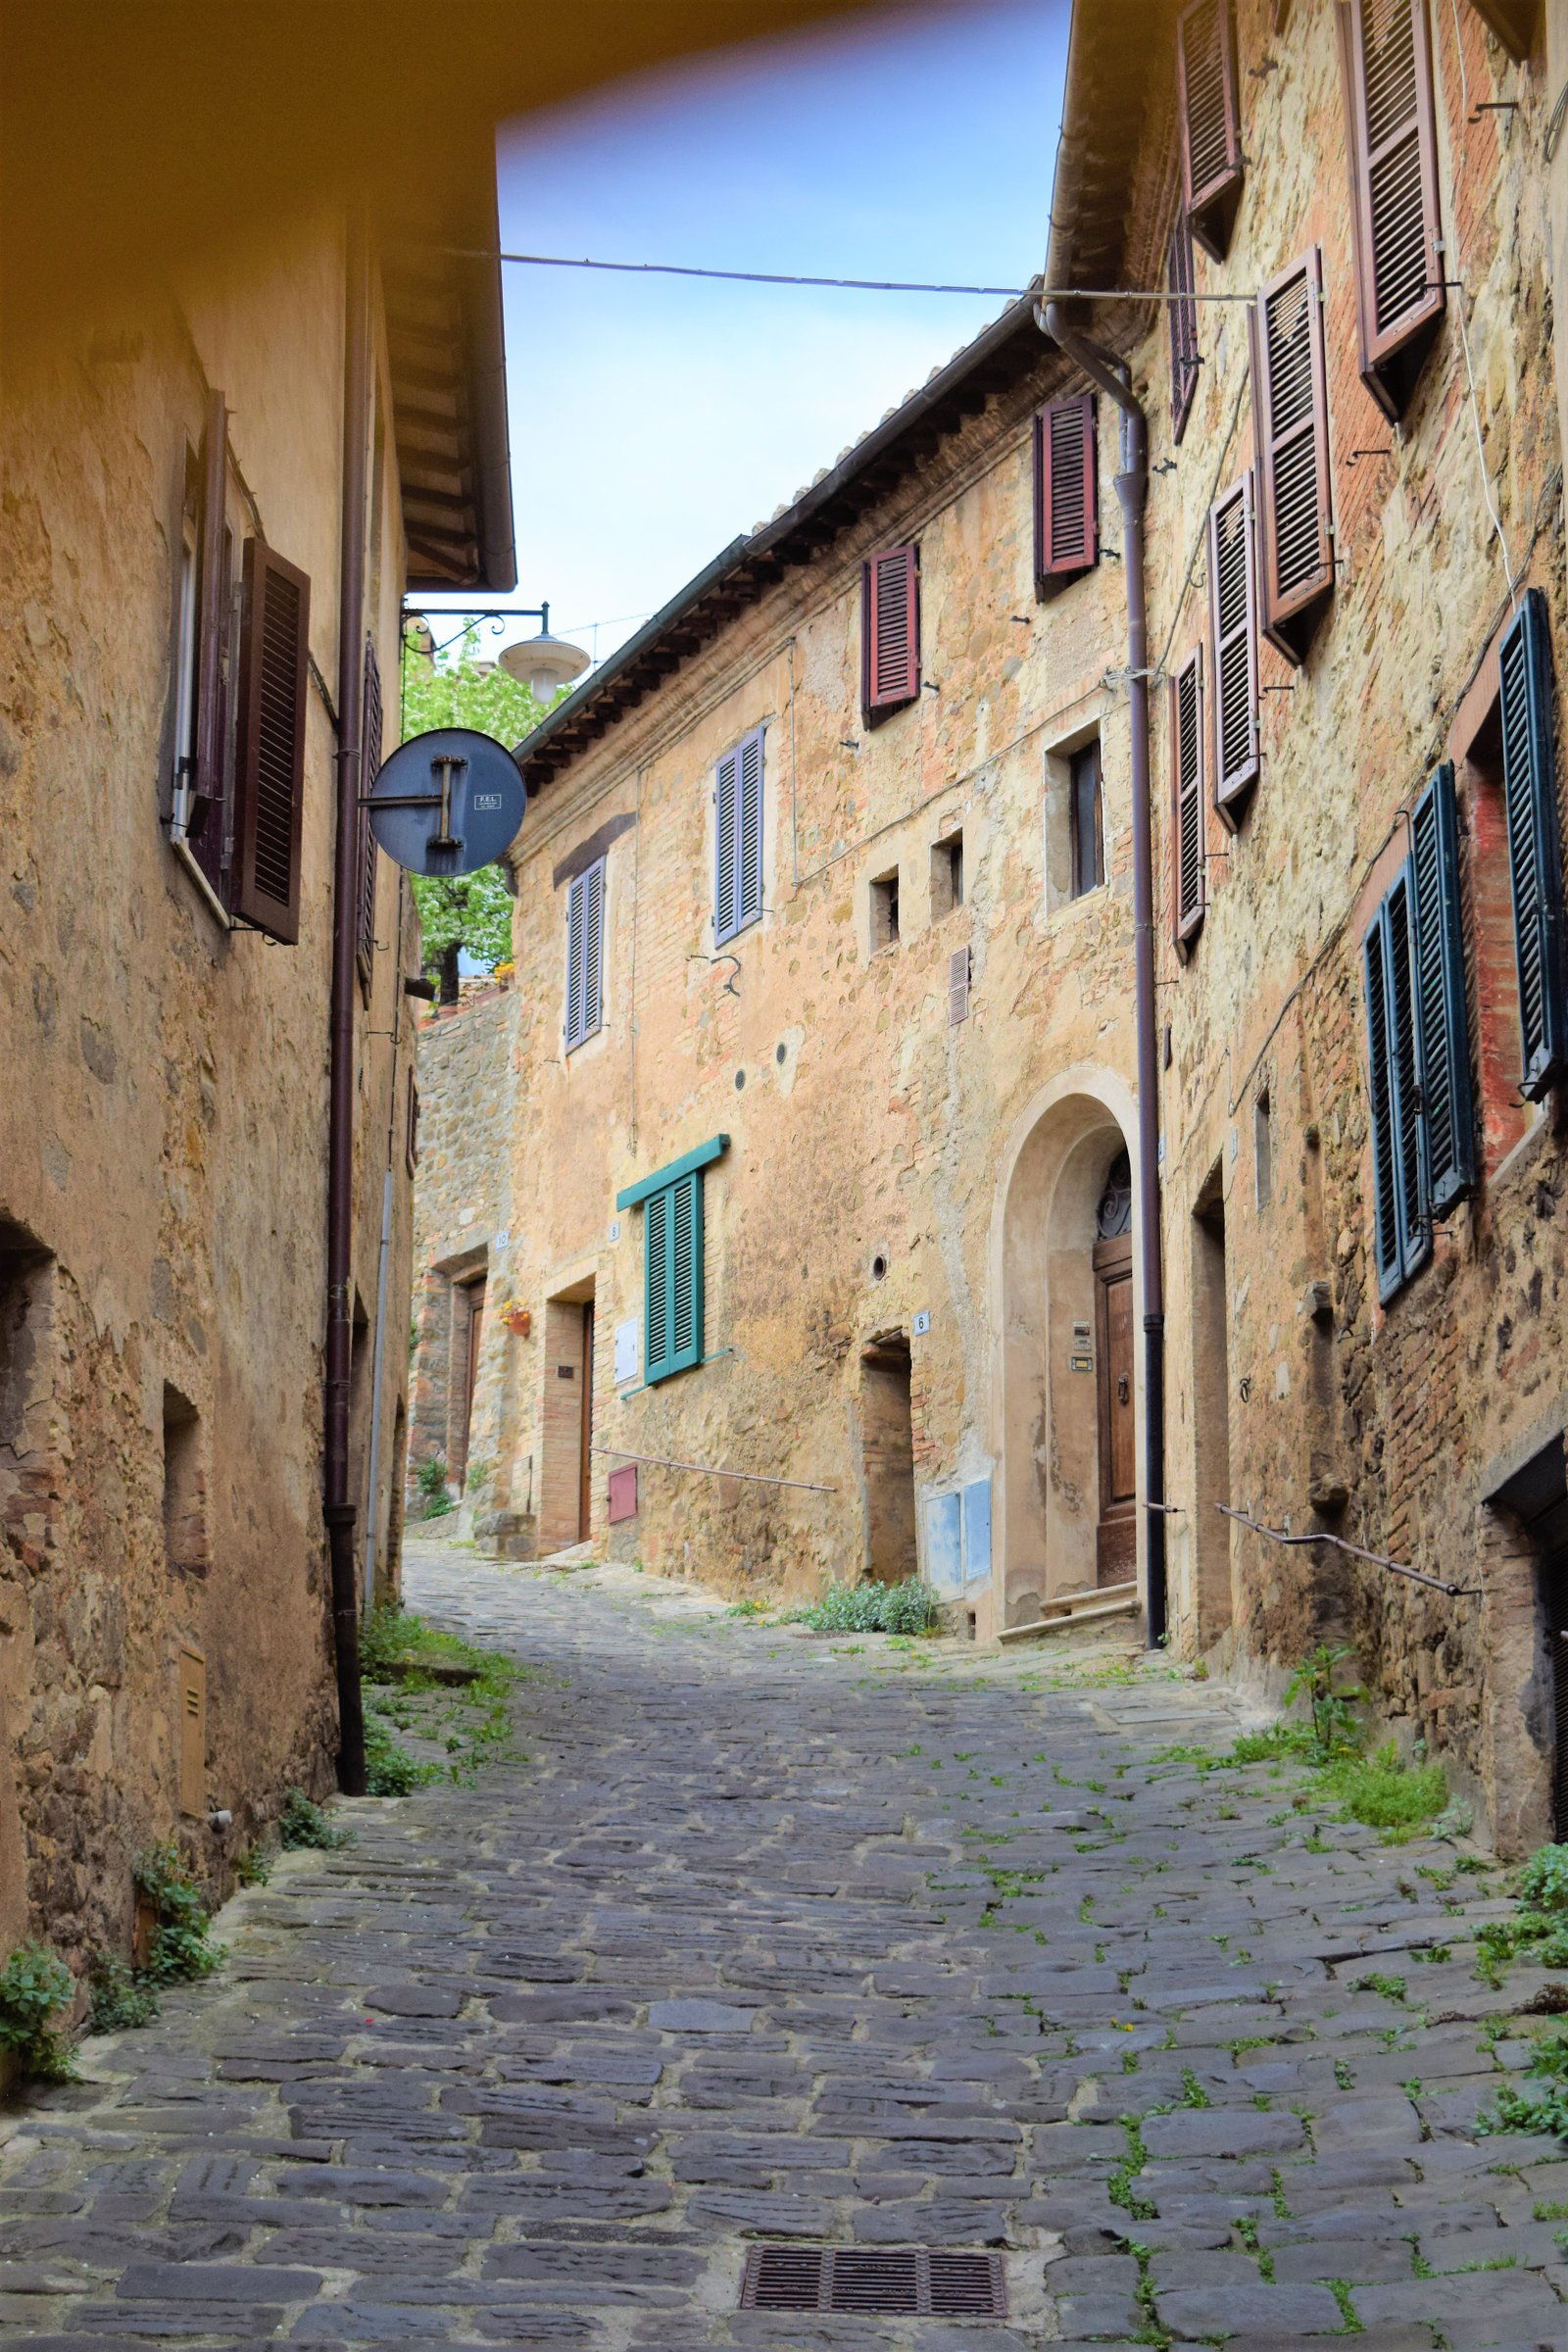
column 885, row 911
column 946, row 876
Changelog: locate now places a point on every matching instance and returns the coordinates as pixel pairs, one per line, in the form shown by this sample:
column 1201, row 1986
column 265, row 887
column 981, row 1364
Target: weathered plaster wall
column 162, row 1124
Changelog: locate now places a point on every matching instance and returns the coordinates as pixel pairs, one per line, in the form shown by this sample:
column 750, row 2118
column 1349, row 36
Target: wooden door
column 1556, row 1575
column 474, row 1295
column 1116, row 1543
column 585, row 1474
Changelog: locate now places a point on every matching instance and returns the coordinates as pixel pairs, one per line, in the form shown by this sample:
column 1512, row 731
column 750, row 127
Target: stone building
column 216, row 490
column 827, row 1061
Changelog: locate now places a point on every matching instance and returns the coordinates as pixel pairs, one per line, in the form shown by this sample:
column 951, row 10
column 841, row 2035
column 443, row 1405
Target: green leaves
column 34, row 1984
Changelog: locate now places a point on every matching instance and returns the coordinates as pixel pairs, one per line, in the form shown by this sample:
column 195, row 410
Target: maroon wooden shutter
column 891, row 629
column 1189, row 879
column 205, row 827
column 369, row 767
column 269, row 748
column 1211, row 126
column 1066, row 492
column 1291, row 420
column 1386, row 57
column 1233, row 606
column 1183, row 308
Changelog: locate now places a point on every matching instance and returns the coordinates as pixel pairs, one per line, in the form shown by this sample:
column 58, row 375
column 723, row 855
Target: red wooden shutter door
column 1211, row 129
column 1066, row 491
column 892, row 629
column 1291, row 420
column 1187, row 795
column 1184, row 357
column 1400, row 292
column 270, row 754
column 369, row 767
column 1233, row 608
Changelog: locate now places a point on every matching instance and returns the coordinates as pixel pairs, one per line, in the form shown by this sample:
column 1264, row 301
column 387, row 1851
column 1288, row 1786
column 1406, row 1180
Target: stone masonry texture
column 771, row 1940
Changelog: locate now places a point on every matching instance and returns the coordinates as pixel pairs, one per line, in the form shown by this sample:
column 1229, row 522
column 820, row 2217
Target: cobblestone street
column 761, row 1936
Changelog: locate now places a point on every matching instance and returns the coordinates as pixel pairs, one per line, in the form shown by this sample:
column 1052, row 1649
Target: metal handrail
column 1379, row 1559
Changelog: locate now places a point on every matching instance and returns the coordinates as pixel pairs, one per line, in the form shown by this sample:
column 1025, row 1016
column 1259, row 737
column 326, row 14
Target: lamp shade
column 543, row 663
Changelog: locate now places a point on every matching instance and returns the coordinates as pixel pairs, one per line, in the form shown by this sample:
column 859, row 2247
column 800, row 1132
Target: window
column 1391, row 132
column 1210, row 121
column 1264, row 1150
column 1087, row 817
column 885, row 911
column 671, row 1202
column 411, row 1128
column 1066, row 493
column 1535, row 861
column 890, row 632
column 184, row 1488
column 1233, row 606
column 1184, row 354
column 738, row 838
column 1188, row 874
column 585, row 947
column 1291, row 420
column 1418, row 1047
column 371, row 731
column 269, row 748
column 958, row 974
column 946, row 876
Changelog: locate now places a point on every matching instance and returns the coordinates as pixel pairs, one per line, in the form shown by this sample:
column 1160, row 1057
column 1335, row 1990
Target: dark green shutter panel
column 1401, row 1189
column 1380, row 1096
column 1442, row 1023
column 1535, row 861
column 655, row 1281
column 673, row 1251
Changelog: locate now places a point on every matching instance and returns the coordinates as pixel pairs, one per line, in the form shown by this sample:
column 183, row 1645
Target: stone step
column 1077, row 1608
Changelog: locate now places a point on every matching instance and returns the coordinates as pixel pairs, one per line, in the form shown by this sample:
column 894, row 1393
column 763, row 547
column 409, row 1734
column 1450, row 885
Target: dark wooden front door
column 1116, row 1543
column 585, row 1481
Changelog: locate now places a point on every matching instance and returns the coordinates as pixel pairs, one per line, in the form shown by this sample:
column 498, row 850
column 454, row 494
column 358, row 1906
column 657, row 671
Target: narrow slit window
column 1087, row 819
column 885, row 911
column 946, row 874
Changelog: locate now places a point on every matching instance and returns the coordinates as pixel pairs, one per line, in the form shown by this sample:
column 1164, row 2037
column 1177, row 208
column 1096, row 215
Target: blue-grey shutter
column 1441, row 1022
column 749, row 833
column 655, row 1287
column 1535, row 861
column 727, row 797
column 574, row 1029
column 593, row 947
column 1401, row 1190
column 672, row 1277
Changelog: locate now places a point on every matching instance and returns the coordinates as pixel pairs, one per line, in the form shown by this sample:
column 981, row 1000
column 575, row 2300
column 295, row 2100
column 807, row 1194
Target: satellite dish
column 447, row 803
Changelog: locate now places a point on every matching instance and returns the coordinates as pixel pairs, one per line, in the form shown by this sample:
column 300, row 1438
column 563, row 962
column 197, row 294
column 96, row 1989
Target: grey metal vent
column 905, row 2279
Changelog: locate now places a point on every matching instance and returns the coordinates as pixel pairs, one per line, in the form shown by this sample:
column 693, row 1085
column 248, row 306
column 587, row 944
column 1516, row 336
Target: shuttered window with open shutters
column 585, row 952
column 370, row 727
column 1400, row 1184
column 1233, row 605
column 1387, row 57
column 738, row 839
column 1066, row 492
column 1290, row 423
column 1185, row 360
column 1188, row 871
column 1212, row 122
column 671, row 1202
column 270, row 748
column 1443, row 1028
column 1535, row 856
column 890, row 632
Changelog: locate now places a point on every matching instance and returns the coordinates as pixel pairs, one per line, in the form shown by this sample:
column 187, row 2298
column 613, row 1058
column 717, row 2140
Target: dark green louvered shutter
column 672, row 1274
column 1401, row 1190
column 1535, row 861
column 1442, row 1023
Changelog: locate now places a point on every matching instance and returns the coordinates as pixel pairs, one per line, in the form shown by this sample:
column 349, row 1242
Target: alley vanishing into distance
column 760, row 1938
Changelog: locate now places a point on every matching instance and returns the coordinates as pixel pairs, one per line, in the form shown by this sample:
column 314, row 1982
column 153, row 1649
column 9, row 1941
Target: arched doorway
column 1069, row 1375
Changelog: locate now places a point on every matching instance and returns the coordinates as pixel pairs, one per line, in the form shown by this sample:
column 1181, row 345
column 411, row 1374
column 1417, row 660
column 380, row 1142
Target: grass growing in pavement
column 437, row 1687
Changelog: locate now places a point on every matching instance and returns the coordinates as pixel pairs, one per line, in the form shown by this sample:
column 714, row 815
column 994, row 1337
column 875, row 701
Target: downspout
column 1132, row 488
column 339, row 1510
column 373, row 1512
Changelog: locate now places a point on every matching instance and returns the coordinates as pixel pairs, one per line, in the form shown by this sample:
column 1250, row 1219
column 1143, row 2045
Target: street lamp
column 543, row 663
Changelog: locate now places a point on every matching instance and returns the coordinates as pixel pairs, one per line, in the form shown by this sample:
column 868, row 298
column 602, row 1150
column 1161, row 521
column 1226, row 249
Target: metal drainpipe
column 339, row 1510
column 1132, row 488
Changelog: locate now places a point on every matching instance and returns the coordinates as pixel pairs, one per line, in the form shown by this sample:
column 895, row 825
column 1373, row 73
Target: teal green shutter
column 1442, row 1025
column 672, row 1275
column 1400, row 1183
column 1380, row 1099
column 1535, row 859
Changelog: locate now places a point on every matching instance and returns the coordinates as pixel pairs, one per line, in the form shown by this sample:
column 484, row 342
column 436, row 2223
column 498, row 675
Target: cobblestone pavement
column 767, row 1938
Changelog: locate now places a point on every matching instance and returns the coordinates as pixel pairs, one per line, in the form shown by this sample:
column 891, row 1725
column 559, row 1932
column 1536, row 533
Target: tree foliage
column 469, row 911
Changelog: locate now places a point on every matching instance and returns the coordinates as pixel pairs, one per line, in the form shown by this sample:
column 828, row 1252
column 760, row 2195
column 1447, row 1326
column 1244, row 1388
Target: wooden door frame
column 585, row 1474
column 1112, row 1262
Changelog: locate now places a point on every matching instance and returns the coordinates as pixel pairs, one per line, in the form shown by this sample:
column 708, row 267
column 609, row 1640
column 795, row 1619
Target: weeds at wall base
column 35, row 1986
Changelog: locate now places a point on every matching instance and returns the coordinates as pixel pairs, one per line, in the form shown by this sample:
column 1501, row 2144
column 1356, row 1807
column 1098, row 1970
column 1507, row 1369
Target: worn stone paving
column 770, row 1937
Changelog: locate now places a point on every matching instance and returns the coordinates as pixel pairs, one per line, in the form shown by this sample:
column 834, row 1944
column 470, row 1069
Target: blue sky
column 653, row 420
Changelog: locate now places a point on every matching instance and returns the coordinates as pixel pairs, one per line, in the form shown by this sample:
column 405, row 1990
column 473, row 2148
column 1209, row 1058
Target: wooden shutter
column 1290, row 423
column 1442, row 1035
column 1534, row 857
column 1211, row 126
column 585, row 947
column 738, row 839
column 957, row 986
column 890, row 631
column 1401, row 1190
column 411, row 1132
column 1185, row 360
column 1066, row 492
column 1233, row 606
column 727, row 802
column 1189, row 887
column 1514, row 21
column 672, row 1273
column 270, row 750
column 1386, row 57
column 206, row 827
column 371, row 731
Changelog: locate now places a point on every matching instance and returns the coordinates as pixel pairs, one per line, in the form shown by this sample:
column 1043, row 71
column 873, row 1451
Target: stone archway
column 1068, row 1377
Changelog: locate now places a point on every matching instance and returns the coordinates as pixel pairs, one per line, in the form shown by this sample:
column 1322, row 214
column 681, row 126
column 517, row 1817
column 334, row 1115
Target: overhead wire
column 853, row 285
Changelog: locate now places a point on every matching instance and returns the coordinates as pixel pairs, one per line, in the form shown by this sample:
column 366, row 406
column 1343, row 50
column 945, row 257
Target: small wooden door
column 1556, row 1575
column 474, row 1295
column 586, row 1475
column 1116, row 1543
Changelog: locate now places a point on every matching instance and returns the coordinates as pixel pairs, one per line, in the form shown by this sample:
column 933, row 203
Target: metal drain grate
column 908, row 2278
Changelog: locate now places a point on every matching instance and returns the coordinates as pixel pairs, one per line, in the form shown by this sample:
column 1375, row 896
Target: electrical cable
column 853, row 285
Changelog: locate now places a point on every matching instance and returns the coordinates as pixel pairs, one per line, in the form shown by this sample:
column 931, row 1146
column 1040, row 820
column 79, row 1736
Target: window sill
column 187, row 857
